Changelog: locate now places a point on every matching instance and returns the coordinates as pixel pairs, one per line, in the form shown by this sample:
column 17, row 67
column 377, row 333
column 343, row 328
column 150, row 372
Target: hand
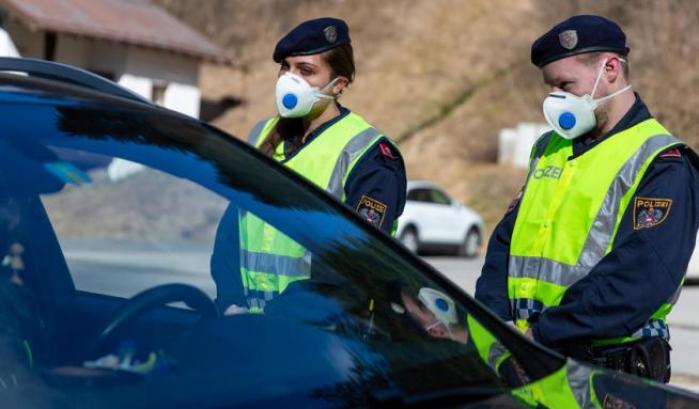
column 235, row 310
column 529, row 334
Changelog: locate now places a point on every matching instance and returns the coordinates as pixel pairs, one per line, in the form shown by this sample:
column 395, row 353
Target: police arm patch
column 386, row 150
column 371, row 210
column 650, row 211
column 671, row 153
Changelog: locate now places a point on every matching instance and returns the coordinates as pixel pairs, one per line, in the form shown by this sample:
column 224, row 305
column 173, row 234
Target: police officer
column 327, row 143
column 590, row 257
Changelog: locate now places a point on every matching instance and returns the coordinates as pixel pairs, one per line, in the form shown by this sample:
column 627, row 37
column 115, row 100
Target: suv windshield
column 100, row 202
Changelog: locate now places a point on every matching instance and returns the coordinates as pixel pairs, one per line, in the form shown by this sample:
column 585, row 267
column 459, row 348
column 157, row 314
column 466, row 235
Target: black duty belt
column 647, row 357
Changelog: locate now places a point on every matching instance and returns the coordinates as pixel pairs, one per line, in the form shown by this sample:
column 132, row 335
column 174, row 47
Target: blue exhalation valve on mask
column 442, row 304
column 290, row 101
column 566, row 120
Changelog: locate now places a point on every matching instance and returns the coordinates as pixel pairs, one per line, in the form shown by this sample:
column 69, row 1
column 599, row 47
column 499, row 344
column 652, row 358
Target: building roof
column 135, row 23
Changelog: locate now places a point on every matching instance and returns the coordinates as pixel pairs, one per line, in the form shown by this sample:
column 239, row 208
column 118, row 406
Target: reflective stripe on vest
column 568, row 387
column 254, row 136
column 351, row 138
column 491, row 351
column 568, row 218
column 270, row 260
column 350, row 153
column 292, row 266
column 571, row 386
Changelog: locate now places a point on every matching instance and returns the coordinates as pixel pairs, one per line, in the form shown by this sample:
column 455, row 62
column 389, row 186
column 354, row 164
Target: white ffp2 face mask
column 295, row 97
column 572, row 116
column 441, row 305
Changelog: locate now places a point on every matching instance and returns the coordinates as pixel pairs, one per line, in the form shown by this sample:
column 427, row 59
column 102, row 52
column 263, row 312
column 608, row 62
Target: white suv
column 433, row 220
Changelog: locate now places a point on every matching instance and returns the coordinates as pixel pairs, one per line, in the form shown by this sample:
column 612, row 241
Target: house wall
column 7, row 46
column 27, row 43
column 181, row 76
column 135, row 68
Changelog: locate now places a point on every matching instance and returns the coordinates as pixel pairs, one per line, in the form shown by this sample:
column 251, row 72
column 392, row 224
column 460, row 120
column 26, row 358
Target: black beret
column 312, row 37
column 578, row 35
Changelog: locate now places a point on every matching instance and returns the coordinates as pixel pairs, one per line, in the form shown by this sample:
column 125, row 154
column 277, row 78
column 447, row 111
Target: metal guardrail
column 67, row 73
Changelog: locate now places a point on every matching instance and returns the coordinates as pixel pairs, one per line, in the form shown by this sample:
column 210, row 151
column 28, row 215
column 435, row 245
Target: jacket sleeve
column 491, row 287
column 378, row 179
column 645, row 267
column 225, row 261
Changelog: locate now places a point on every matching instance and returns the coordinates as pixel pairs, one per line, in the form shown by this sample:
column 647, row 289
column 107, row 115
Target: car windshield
column 102, row 201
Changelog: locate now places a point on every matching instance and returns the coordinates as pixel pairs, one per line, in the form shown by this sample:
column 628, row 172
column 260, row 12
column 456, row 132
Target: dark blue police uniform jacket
column 639, row 274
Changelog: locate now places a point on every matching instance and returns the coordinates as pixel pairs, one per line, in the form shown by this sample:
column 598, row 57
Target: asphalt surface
column 126, row 273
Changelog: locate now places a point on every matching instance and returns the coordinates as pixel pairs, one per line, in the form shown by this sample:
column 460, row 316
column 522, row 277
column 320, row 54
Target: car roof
column 15, row 87
column 67, row 74
column 417, row 184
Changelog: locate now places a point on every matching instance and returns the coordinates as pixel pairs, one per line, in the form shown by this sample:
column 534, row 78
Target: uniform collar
column 288, row 148
column 636, row 114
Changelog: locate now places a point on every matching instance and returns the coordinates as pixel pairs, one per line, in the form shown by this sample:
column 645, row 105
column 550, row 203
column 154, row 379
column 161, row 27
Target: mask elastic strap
column 599, row 77
column 321, row 94
column 613, row 94
column 434, row 324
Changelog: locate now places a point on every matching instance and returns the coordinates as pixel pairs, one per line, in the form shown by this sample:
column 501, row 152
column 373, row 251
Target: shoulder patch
column 386, row 150
column 371, row 210
column 671, row 153
column 650, row 211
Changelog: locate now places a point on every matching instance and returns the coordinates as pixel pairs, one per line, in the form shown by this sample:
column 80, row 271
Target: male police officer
column 590, row 257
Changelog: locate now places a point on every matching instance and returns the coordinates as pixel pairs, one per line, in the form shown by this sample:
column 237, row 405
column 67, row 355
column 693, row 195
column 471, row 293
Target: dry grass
column 445, row 76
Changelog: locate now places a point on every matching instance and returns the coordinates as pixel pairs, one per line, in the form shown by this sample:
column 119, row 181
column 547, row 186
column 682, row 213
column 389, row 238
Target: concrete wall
column 515, row 144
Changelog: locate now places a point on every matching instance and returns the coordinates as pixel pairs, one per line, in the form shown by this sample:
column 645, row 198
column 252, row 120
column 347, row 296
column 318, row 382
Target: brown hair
column 341, row 62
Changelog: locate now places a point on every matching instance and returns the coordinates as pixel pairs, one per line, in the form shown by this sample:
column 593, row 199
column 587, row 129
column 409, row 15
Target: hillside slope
column 444, row 76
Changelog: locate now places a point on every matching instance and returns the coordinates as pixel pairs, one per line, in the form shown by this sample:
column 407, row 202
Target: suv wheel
column 471, row 245
column 410, row 240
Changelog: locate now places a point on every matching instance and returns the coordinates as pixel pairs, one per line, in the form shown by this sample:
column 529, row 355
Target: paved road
column 95, row 271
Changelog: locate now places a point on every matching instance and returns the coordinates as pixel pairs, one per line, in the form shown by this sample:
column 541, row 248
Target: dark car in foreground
column 114, row 217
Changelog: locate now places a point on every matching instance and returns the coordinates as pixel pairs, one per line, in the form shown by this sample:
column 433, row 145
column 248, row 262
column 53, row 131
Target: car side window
column 420, row 195
column 439, row 198
column 124, row 227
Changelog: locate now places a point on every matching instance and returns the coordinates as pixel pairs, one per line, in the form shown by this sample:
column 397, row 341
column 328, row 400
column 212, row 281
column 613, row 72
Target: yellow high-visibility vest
column 270, row 260
column 569, row 215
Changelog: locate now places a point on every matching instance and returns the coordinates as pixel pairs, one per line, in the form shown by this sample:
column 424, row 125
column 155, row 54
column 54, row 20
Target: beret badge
column 568, row 39
column 330, row 33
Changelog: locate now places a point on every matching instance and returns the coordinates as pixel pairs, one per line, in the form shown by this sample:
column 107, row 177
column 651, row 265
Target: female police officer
column 331, row 146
